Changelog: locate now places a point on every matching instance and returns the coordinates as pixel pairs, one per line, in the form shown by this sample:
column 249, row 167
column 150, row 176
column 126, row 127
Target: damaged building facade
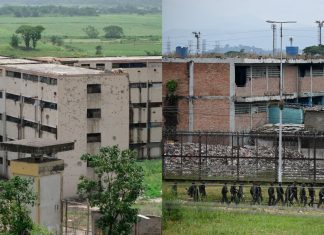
column 145, row 85
column 53, row 101
column 235, row 94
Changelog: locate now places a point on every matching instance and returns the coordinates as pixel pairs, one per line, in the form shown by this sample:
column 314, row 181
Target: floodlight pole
column 281, row 102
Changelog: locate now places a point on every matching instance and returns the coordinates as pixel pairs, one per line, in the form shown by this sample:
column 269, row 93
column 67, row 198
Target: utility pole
column 320, row 25
column 168, row 46
column 274, row 38
column 197, row 36
column 281, row 102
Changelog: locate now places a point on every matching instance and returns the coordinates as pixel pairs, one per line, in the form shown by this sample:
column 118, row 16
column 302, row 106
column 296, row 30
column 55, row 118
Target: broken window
column 30, row 77
column 93, row 88
column 94, row 113
column 100, row 66
column 85, row 66
column 93, row 137
column 128, row 65
column 304, row 70
column 240, row 76
column 317, row 70
column 13, row 74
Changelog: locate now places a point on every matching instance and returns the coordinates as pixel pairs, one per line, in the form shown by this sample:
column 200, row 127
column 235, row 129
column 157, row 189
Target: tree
column 56, row 40
column 30, row 33
column 91, row 31
column 118, row 183
column 14, row 41
column 314, row 50
column 15, row 197
column 113, row 31
column 36, row 34
column 99, row 50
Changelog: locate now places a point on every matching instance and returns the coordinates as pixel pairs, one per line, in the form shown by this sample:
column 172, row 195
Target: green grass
column 142, row 35
column 152, row 177
column 201, row 220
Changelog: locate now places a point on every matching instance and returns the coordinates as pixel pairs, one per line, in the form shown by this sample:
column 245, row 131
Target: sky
column 236, row 22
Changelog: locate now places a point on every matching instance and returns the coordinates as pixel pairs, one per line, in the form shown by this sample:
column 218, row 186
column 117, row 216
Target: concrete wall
column 314, row 120
column 73, row 123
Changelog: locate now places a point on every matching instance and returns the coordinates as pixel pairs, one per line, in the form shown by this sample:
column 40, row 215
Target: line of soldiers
column 276, row 194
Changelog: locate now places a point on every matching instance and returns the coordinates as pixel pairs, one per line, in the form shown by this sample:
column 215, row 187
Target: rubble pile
column 217, row 161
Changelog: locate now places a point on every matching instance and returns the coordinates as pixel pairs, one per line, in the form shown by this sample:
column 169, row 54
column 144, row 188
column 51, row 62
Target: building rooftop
column 5, row 61
column 37, row 146
column 110, row 59
column 52, row 69
column 260, row 60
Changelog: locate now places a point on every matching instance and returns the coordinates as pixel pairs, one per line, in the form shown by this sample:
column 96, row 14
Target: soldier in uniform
column 259, row 194
column 233, row 191
column 202, row 191
column 224, row 193
column 253, row 192
column 294, row 192
column 193, row 192
column 175, row 189
column 271, row 193
column 289, row 195
column 240, row 194
column 302, row 193
column 311, row 193
column 320, row 197
column 280, row 193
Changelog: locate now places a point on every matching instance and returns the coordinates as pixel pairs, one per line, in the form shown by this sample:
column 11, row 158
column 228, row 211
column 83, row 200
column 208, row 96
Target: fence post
column 238, row 158
column 66, row 217
column 181, row 153
column 199, row 156
column 314, row 153
column 88, row 217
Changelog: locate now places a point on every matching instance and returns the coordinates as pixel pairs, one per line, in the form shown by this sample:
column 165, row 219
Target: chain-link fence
column 242, row 156
column 76, row 218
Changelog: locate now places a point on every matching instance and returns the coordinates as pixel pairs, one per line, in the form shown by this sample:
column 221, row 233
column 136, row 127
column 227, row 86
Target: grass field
column 152, row 177
column 142, row 35
column 201, row 220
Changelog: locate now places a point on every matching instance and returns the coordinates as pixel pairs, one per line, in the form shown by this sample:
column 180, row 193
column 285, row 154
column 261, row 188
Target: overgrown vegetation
column 16, row 195
column 119, row 183
column 152, row 177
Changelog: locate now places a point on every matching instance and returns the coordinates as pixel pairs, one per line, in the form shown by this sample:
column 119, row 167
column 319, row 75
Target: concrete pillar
column 191, row 96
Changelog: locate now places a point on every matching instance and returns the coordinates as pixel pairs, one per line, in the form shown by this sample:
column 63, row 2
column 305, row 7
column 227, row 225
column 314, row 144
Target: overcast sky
column 237, row 22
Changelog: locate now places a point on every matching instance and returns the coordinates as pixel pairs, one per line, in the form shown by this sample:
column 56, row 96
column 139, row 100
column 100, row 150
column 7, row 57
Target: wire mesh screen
column 241, row 156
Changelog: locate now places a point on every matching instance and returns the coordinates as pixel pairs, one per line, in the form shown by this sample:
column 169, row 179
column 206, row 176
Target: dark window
column 128, row 65
column 30, row 77
column 93, row 137
column 304, row 71
column 48, row 105
column 49, row 81
column 12, row 97
column 30, row 124
column 1, row 161
column 0, row 95
column 100, row 66
column 85, row 65
column 13, row 119
column 240, row 76
column 94, row 113
column 93, row 88
column 13, row 74
column 28, row 100
column 49, row 129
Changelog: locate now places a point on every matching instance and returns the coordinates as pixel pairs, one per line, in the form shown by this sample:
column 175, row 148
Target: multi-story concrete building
column 145, row 84
column 90, row 107
column 234, row 94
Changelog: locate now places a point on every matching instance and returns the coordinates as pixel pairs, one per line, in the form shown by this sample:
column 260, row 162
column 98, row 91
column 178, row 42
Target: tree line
column 50, row 10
